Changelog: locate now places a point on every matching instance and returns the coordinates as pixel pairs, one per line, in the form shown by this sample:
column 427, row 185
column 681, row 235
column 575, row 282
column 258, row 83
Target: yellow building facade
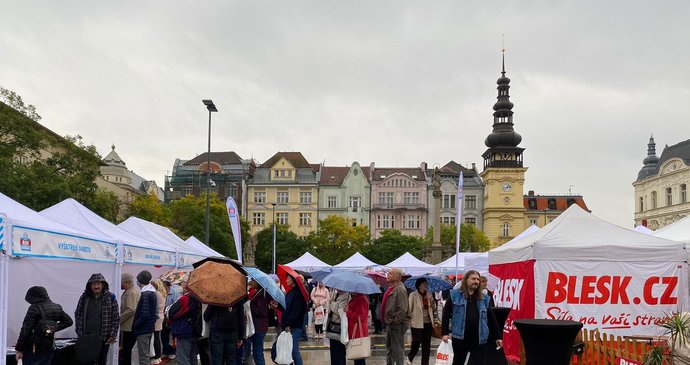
column 284, row 190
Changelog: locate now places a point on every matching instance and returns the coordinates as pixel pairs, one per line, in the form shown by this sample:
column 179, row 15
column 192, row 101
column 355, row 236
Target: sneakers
column 171, row 357
column 155, row 361
column 407, row 361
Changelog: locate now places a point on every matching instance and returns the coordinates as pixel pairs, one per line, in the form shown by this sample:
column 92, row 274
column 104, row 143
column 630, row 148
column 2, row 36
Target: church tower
column 504, row 172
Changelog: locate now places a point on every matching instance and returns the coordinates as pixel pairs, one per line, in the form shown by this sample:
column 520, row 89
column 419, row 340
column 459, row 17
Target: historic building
column 284, row 189
column 345, row 191
column 126, row 184
column 398, row 200
column 661, row 188
column 473, row 195
column 229, row 173
column 542, row 209
column 504, row 172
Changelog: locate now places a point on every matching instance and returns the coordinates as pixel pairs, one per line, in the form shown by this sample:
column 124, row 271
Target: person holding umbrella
column 422, row 308
column 337, row 305
column 259, row 312
column 295, row 308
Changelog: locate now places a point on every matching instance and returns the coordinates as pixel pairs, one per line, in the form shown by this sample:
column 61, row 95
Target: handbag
column 360, row 347
column 436, row 330
column 87, row 348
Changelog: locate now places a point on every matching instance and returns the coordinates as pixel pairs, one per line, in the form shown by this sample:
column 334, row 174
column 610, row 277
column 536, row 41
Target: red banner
column 624, row 361
column 515, row 290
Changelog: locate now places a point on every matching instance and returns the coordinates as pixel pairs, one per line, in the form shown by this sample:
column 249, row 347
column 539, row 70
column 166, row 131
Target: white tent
column 480, row 262
column 187, row 254
column 49, row 254
column 448, row 266
column 308, row 263
column 412, row 265
column 583, row 268
column 643, row 229
column 198, row 245
column 677, row 231
column 356, row 262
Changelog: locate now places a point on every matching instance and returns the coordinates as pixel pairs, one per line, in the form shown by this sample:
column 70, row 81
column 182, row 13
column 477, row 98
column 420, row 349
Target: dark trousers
column 39, row 358
column 421, row 336
column 337, row 350
column 165, row 338
column 223, row 347
column 378, row 326
column 461, row 349
column 318, row 328
column 157, row 345
column 204, row 351
column 128, row 341
column 103, row 356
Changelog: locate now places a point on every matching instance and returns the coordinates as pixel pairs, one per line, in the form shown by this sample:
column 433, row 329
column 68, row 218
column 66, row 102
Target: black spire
column 651, row 162
column 503, row 139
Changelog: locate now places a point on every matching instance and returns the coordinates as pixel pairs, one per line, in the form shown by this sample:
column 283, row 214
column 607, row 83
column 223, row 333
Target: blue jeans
column 187, row 351
column 296, row 356
column 256, row 343
column 223, row 347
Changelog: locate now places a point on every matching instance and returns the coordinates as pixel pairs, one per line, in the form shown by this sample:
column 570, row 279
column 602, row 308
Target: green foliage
column 391, row 245
column 471, row 239
column 148, row 207
column 15, row 101
column 336, row 239
column 288, row 247
column 105, row 204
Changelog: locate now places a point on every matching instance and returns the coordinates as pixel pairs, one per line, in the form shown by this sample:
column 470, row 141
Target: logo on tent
column 25, row 242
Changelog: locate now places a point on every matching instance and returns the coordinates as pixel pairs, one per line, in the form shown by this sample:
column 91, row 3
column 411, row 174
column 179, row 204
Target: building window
column 532, row 203
column 305, row 197
column 641, row 204
column 448, row 221
column 259, row 197
column 506, row 229
column 533, row 221
column 283, row 197
column 669, row 197
column 653, row 199
column 471, row 202
column 305, row 219
column 448, row 201
column 386, row 199
column 411, row 222
column 259, row 219
column 355, row 203
column 552, row 204
column 282, row 218
column 187, row 191
column 232, row 191
column 277, row 173
column 332, row 202
column 384, row 221
column 683, row 193
column 410, row 198
column 471, row 221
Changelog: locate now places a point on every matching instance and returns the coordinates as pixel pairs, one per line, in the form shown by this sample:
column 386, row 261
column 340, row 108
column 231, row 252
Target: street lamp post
column 544, row 211
column 211, row 108
column 274, row 237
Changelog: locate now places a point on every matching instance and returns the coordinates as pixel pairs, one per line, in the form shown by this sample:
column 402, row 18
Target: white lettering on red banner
column 624, row 361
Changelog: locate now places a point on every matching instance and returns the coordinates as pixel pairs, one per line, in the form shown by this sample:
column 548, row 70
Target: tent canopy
column 356, row 262
column 449, row 264
column 194, row 242
column 412, row 265
column 677, row 231
column 577, row 235
column 643, row 229
column 155, row 233
column 308, row 263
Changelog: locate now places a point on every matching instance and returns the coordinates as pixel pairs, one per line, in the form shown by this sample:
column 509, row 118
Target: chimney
column 530, row 193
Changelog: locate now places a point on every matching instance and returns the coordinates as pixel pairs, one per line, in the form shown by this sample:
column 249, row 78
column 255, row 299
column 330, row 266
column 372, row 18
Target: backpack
column 45, row 327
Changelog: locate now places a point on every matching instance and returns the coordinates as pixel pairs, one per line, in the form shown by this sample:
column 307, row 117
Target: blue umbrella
column 351, row 282
column 434, row 284
column 266, row 282
column 318, row 275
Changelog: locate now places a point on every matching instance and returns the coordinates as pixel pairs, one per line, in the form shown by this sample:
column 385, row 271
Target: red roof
column 561, row 202
column 295, row 158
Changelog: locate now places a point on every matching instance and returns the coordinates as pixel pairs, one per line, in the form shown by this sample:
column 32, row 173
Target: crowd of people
column 164, row 320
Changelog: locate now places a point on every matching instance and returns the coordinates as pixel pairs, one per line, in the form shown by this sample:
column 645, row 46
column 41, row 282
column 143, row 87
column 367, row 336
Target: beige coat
column 417, row 309
column 396, row 306
column 161, row 312
column 130, row 299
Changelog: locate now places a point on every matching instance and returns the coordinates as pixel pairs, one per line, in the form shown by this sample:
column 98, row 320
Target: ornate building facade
column 661, row 188
column 473, row 195
column 345, row 191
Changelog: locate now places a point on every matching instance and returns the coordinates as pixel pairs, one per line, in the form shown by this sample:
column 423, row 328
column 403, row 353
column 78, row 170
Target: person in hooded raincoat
column 97, row 313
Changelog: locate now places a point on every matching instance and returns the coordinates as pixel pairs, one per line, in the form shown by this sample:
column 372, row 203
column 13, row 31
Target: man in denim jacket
column 472, row 321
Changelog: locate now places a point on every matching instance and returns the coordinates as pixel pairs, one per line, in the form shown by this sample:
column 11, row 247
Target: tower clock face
column 507, row 187
column 506, row 200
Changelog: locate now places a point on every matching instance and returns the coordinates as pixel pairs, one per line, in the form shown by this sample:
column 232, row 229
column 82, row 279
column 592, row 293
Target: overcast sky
column 393, row 82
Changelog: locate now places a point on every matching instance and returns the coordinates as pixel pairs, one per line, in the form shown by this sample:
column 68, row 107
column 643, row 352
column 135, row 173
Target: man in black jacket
column 35, row 344
column 227, row 331
column 97, row 313
column 145, row 317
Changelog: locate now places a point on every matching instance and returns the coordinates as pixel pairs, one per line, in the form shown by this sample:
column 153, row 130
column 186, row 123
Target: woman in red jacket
column 358, row 312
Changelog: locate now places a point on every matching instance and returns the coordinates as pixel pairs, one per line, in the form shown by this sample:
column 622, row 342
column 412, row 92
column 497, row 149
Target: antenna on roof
column 570, row 189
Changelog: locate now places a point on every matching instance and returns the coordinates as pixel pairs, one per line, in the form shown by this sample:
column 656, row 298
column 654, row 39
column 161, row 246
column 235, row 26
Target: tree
column 391, row 245
column 148, row 207
column 471, row 239
column 288, row 247
column 105, row 204
column 15, row 101
column 336, row 239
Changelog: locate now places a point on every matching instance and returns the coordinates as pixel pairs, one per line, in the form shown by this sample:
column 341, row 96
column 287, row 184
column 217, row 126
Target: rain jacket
column 110, row 315
column 37, row 296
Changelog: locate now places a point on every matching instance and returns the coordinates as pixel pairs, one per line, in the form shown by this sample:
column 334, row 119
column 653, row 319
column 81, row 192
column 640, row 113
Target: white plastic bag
column 249, row 321
column 319, row 315
column 344, row 338
column 284, row 349
column 444, row 354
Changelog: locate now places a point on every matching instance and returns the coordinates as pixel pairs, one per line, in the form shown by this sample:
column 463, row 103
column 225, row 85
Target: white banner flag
column 235, row 226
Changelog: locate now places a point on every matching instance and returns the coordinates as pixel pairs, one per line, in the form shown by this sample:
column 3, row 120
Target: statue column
column 436, row 248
